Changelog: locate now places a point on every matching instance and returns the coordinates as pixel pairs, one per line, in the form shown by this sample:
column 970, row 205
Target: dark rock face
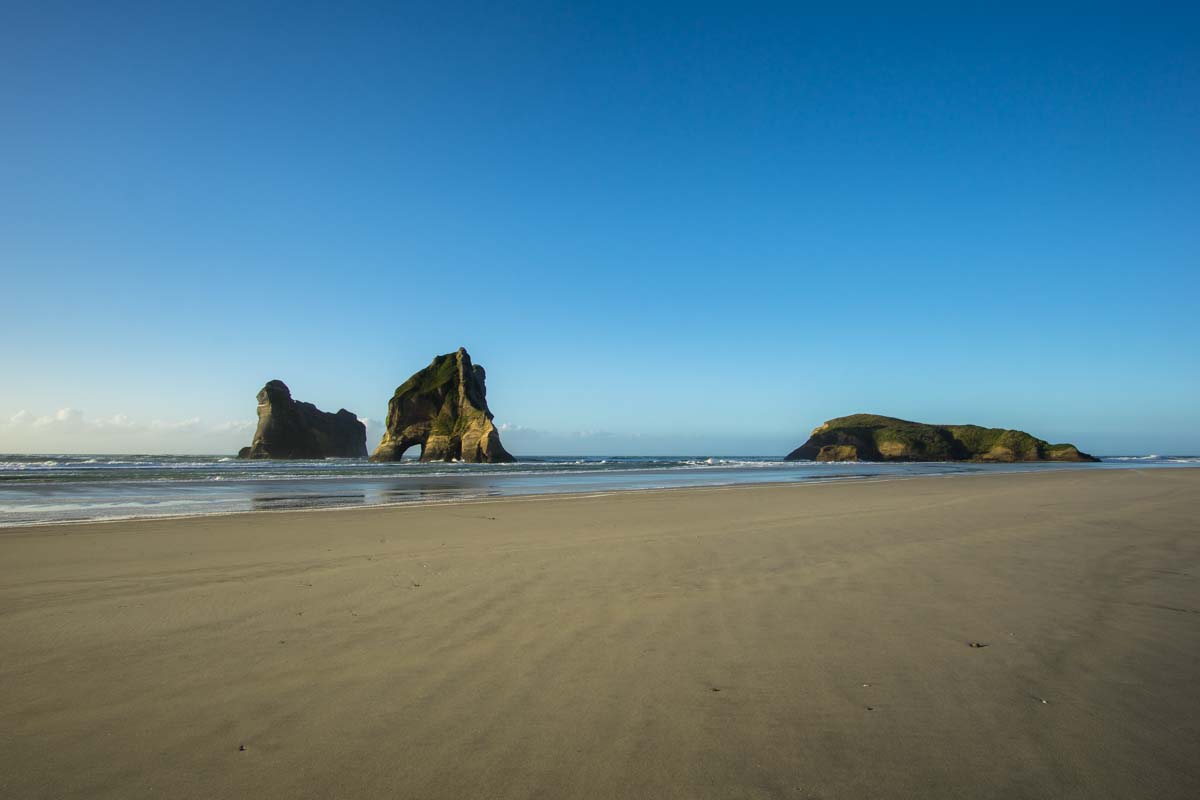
column 443, row 408
column 288, row 428
column 869, row 437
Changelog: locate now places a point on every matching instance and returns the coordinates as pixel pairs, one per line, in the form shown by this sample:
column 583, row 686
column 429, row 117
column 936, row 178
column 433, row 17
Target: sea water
column 58, row 488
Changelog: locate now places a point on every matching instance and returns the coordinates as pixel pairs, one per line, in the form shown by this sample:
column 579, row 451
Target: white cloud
column 183, row 425
column 73, row 418
column 374, row 429
column 70, row 430
column 239, row 426
column 63, row 417
column 522, row 432
column 591, row 434
column 518, row 430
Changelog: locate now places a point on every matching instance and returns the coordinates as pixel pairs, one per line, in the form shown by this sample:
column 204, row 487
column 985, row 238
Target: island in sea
column 443, row 410
column 289, row 428
column 871, row 437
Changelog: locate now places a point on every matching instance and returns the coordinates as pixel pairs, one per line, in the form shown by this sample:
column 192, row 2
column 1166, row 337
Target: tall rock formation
column 288, row 428
column 870, row 437
column 443, row 408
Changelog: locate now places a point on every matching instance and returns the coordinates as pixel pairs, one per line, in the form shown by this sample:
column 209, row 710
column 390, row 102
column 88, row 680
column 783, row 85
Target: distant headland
column 871, row 437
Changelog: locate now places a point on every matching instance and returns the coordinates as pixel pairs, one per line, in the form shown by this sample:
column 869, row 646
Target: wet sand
column 808, row 641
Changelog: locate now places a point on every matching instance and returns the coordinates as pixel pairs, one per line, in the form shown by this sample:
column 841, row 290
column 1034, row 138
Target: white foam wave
column 1155, row 458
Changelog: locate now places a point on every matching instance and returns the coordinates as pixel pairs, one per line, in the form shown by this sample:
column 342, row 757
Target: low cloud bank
column 525, row 441
column 70, row 430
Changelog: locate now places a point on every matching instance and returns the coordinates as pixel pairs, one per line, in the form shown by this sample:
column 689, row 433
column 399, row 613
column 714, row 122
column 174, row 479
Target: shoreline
column 456, row 501
column 1021, row 468
column 6, row 528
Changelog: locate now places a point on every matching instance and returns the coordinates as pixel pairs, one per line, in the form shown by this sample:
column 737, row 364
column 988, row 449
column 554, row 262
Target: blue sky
column 682, row 228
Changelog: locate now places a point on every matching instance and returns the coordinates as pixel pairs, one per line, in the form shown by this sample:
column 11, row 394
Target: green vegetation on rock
column 871, row 437
column 443, row 410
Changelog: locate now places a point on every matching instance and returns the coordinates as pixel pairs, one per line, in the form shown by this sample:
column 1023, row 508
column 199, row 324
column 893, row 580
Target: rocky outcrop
column 443, row 408
column 288, row 428
column 869, row 437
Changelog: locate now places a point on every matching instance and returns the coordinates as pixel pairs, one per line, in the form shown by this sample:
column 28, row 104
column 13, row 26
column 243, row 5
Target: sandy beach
column 809, row 641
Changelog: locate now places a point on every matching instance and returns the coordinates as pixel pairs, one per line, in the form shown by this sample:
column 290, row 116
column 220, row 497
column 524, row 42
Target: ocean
column 38, row 489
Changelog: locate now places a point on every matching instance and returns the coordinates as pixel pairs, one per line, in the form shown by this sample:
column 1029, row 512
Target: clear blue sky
column 661, row 227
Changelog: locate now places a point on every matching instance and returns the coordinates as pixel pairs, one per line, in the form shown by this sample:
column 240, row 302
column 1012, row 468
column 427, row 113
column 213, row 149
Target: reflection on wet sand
column 278, row 502
column 432, row 490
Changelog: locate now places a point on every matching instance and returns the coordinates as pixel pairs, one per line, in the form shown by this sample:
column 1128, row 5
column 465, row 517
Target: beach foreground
column 776, row 641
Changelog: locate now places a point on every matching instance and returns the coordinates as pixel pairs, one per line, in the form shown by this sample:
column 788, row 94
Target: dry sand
column 774, row 641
